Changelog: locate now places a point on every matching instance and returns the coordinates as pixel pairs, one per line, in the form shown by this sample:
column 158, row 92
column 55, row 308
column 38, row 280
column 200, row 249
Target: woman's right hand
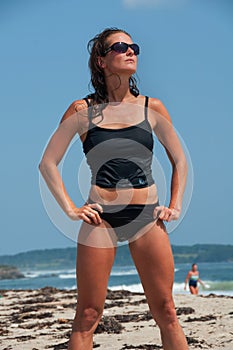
column 88, row 213
column 166, row 214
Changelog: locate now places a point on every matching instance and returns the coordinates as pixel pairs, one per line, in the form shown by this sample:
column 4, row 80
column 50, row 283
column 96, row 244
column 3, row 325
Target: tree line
column 66, row 257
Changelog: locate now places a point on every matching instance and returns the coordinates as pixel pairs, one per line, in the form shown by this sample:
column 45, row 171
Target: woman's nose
column 130, row 52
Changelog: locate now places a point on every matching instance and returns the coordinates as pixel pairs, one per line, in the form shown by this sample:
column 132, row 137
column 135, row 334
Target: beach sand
column 41, row 319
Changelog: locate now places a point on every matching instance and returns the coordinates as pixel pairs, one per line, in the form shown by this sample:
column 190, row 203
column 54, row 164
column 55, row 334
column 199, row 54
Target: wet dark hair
column 96, row 47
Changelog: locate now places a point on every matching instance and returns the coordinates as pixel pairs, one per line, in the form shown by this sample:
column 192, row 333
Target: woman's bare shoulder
column 74, row 107
column 157, row 106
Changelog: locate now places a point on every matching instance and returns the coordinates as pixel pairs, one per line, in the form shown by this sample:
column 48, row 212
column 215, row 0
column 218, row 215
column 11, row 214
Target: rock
column 8, row 272
column 184, row 310
column 120, row 294
column 201, row 319
column 109, row 325
column 60, row 346
column 192, row 341
column 142, row 346
column 137, row 317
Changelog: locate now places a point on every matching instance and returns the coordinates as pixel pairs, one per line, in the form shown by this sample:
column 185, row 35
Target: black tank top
column 120, row 157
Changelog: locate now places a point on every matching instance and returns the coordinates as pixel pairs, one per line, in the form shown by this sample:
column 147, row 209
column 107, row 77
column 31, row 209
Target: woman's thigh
column 153, row 258
column 101, row 236
column 193, row 290
column 93, row 269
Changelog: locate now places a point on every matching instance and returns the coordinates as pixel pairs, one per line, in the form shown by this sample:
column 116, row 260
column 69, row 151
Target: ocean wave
column 215, row 287
column 136, row 288
column 219, row 285
column 48, row 273
column 70, row 288
column 114, row 273
column 127, row 272
column 40, row 275
column 67, row 275
column 124, row 273
column 178, row 288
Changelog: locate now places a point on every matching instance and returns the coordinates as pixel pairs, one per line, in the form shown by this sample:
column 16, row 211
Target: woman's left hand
column 166, row 214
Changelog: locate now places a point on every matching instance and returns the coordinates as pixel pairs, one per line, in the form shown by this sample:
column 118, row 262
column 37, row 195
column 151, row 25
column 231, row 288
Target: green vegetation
column 203, row 253
column 42, row 259
column 66, row 257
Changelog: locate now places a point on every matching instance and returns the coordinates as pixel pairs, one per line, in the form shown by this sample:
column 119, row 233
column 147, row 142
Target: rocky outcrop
column 9, row 272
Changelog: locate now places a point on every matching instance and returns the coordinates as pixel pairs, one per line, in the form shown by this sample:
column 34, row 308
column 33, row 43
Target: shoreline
column 41, row 319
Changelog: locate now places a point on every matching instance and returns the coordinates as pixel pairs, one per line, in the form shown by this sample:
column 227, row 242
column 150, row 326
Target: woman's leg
column 93, row 270
column 153, row 258
column 193, row 290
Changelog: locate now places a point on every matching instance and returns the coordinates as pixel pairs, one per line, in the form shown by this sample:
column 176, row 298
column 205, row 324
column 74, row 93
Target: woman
column 192, row 279
column 115, row 125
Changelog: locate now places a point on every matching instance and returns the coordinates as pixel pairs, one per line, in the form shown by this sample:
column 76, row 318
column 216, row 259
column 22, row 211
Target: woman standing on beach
column 192, row 279
column 115, row 125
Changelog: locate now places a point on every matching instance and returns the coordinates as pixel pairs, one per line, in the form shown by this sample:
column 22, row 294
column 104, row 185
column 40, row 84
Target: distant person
column 192, row 279
column 116, row 126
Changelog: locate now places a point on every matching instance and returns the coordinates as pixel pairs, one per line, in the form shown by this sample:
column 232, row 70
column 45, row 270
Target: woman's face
column 194, row 268
column 121, row 63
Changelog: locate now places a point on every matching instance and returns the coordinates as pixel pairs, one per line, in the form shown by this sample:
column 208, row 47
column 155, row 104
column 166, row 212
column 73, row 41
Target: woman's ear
column 101, row 62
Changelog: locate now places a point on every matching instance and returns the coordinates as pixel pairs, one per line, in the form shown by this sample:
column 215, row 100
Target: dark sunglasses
column 121, row 47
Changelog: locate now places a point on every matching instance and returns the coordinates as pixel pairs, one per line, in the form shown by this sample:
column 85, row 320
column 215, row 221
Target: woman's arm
column 201, row 282
column 52, row 156
column 166, row 134
column 187, row 279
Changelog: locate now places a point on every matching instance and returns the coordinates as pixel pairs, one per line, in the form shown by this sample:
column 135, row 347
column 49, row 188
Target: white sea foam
column 178, row 288
column 124, row 273
column 125, row 277
column 211, row 287
column 49, row 273
column 67, row 275
column 31, row 274
column 69, row 288
column 63, row 274
column 127, row 271
column 135, row 288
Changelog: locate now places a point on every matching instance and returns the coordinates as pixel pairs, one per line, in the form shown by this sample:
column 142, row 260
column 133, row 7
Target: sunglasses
column 121, row 47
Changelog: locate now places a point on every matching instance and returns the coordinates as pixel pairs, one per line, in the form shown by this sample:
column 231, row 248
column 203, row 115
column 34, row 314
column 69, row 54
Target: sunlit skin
column 193, row 272
column 151, row 252
column 123, row 64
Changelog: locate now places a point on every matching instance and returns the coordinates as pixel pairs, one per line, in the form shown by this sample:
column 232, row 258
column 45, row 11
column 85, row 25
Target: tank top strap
column 89, row 109
column 146, row 107
column 87, row 101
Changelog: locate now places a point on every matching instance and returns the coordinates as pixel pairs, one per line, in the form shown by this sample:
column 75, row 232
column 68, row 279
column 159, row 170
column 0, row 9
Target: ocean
column 217, row 277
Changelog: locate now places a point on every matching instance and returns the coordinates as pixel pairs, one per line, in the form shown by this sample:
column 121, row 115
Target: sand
column 41, row 319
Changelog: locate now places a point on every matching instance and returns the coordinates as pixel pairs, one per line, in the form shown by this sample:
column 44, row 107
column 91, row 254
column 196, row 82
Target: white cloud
column 151, row 3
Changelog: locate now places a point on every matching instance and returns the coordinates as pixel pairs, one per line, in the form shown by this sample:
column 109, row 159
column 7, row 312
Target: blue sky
column 186, row 61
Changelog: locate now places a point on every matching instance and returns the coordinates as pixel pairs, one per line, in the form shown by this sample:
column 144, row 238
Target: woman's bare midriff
column 112, row 196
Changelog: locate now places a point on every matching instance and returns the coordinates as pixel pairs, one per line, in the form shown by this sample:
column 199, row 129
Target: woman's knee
column 87, row 319
column 165, row 313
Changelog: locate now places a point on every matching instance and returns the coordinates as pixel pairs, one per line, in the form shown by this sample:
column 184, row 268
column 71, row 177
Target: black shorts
column 127, row 220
